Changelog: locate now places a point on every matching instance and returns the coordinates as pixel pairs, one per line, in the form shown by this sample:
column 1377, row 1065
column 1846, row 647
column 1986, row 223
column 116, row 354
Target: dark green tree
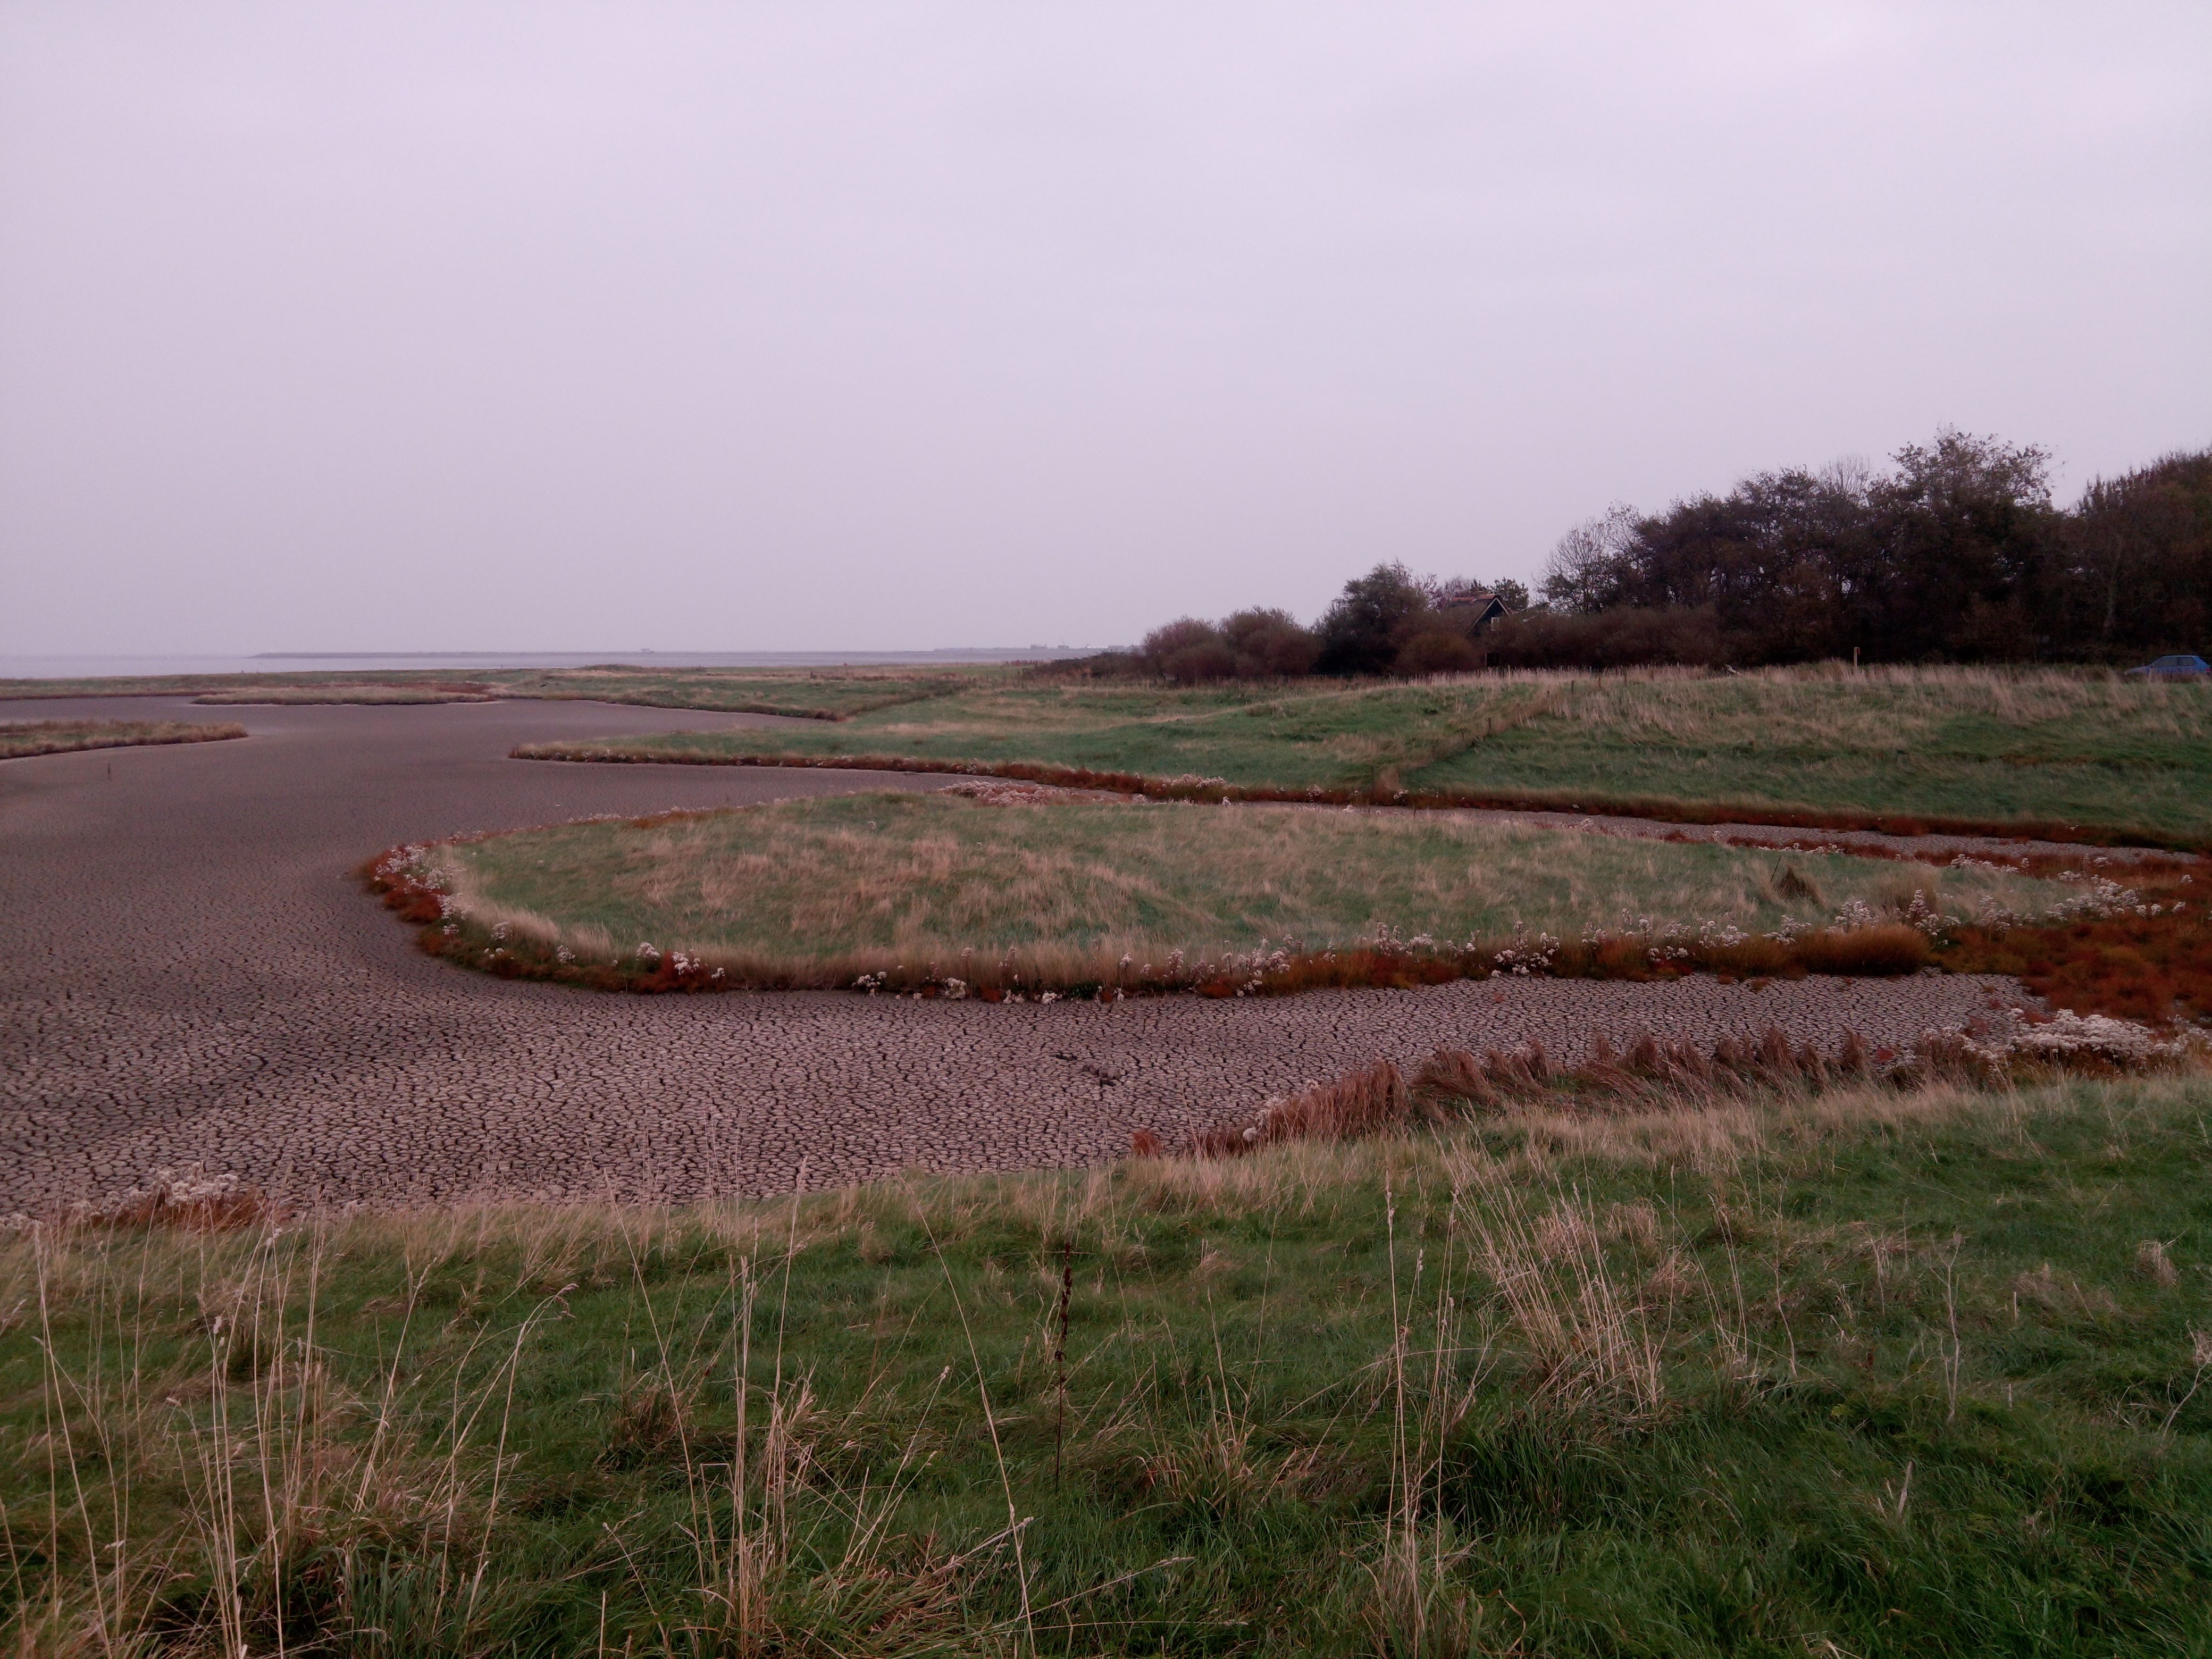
column 1362, row 632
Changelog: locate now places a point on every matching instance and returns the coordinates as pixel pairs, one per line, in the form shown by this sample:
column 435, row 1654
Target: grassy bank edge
column 26, row 741
column 2144, row 954
column 519, row 944
column 1661, row 809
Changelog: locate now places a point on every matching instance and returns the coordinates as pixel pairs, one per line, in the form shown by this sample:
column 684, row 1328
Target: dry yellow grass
column 870, row 881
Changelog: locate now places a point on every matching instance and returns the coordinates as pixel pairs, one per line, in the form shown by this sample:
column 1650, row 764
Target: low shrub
column 1625, row 638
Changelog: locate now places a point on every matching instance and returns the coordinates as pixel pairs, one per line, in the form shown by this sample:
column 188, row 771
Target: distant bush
column 1252, row 645
column 1435, row 650
column 1118, row 665
column 1626, row 638
column 1188, row 652
column 1270, row 644
column 1372, row 620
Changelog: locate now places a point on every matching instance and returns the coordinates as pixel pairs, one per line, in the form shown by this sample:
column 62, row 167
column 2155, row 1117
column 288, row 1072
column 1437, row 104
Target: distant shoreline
column 953, row 653
column 60, row 667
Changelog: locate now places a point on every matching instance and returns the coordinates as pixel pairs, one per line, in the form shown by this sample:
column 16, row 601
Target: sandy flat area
column 192, row 976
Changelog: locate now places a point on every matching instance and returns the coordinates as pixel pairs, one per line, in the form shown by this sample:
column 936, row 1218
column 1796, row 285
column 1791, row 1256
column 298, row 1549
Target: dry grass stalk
column 1589, row 1345
column 188, row 1200
column 1673, row 1082
column 296, row 1494
column 1359, row 1104
column 2152, row 1263
column 278, row 1499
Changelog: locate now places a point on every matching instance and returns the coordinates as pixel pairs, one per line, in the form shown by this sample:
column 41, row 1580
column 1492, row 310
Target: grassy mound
column 1872, row 1372
column 2068, row 754
column 22, row 739
column 1054, row 893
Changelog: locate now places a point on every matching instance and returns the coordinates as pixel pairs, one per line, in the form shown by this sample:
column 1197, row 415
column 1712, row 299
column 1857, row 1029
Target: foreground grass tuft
column 1870, row 1373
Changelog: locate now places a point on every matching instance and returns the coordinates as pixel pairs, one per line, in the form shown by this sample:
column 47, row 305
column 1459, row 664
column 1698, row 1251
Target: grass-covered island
column 1030, row 894
column 2077, row 754
column 20, row 739
column 1760, row 1371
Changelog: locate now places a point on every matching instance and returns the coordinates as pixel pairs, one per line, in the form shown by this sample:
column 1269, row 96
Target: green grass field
column 1869, row 1374
column 2051, row 749
column 1966, row 745
column 1069, row 887
column 20, row 739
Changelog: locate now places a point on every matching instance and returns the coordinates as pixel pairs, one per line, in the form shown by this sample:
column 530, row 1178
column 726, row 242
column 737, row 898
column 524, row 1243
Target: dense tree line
column 1955, row 553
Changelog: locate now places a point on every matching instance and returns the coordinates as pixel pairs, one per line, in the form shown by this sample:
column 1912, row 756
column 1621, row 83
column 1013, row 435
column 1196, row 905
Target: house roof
column 1489, row 604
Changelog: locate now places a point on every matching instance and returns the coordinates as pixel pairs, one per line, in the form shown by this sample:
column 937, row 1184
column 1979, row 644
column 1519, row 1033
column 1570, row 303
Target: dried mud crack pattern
column 193, row 979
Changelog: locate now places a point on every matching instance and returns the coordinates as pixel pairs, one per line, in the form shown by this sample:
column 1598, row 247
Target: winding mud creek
column 191, row 976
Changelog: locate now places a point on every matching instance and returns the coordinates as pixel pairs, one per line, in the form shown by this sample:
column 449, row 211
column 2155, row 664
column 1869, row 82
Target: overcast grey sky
column 735, row 327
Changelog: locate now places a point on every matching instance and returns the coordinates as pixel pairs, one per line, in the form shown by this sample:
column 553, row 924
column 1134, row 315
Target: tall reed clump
column 227, row 1471
column 1661, row 1075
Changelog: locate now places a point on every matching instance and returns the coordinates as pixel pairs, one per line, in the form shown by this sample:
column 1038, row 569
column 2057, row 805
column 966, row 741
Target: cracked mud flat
column 189, row 974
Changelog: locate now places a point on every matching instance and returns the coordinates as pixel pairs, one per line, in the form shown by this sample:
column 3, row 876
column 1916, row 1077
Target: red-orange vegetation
column 179, row 1203
column 1885, row 948
column 2152, row 963
column 1359, row 1104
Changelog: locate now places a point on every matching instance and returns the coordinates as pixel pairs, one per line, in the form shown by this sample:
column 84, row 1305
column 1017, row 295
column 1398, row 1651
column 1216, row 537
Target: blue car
column 2175, row 668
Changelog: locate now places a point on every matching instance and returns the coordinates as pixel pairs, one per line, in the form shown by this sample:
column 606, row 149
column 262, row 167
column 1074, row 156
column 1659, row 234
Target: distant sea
column 278, row 662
